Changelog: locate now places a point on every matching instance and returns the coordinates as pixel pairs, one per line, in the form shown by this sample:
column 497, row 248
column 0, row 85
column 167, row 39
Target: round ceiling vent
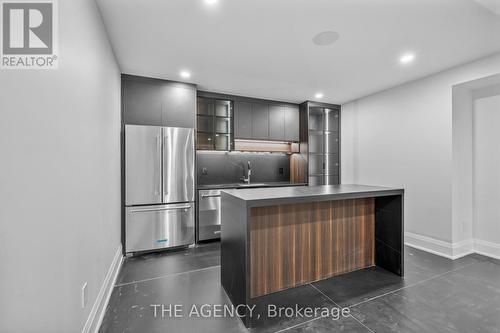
column 326, row 38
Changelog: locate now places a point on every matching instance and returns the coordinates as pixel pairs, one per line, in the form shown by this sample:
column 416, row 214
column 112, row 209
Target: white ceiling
column 264, row 48
column 493, row 5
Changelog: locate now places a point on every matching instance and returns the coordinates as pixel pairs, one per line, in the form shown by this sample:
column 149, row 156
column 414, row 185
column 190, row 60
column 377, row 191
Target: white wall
column 462, row 180
column 403, row 137
column 462, row 150
column 487, row 169
column 60, row 178
column 463, row 177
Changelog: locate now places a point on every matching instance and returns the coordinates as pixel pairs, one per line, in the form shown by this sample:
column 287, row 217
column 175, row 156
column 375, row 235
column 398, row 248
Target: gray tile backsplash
column 224, row 167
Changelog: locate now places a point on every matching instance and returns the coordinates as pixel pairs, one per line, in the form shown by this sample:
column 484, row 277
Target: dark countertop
column 244, row 186
column 253, row 197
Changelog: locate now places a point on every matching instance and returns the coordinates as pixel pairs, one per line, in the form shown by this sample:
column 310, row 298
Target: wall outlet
column 281, row 171
column 84, row 295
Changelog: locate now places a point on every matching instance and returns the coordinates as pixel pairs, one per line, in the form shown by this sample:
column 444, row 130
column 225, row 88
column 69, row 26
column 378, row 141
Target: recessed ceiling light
column 326, row 38
column 407, row 58
column 185, row 74
column 211, row 2
column 318, row 95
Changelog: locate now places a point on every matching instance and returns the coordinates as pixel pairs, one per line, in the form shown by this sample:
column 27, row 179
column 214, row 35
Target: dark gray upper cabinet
column 260, row 121
column 148, row 101
column 142, row 103
column 276, row 122
column 242, row 120
column 179, row 106
column 292, row 122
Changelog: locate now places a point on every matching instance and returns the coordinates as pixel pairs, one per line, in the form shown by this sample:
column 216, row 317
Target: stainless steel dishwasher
column 208, row 214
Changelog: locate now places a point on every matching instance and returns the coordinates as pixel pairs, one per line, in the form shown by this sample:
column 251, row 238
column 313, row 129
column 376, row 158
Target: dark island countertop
column 252, row 197
column 266, row 247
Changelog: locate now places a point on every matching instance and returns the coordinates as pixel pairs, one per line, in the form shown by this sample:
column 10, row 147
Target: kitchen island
column 278, row 238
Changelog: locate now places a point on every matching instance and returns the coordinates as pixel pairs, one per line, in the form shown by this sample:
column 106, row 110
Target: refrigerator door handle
column 158, row 156
column 159, row 209
column 164, row 191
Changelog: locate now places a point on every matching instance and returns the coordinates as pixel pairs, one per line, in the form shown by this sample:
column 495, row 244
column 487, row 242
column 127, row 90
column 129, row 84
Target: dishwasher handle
column 203, row 196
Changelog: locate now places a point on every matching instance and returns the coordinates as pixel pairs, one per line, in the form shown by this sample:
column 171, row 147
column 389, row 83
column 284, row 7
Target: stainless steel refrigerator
column 159, row 187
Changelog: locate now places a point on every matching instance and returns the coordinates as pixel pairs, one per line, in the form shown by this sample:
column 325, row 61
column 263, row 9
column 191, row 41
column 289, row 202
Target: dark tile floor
column 436, row 295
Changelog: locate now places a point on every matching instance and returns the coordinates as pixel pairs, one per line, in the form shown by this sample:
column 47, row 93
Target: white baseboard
column 488, row 249
column 99, row 308
column 452, row 250
column 429, row 244
column 463, row 248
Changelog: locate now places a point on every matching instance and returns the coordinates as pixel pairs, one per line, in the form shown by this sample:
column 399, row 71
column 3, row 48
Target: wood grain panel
column 291, row 245
column 298, row 168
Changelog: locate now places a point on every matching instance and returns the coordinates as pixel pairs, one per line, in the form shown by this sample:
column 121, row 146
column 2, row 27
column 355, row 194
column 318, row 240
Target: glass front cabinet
column 214, row 124
column 324, row 145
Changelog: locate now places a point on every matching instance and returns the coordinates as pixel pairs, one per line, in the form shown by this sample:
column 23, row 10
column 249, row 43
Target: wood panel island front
column 278, row 238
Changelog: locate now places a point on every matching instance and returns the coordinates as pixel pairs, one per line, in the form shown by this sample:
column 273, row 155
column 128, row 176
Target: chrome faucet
column 249, row 174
